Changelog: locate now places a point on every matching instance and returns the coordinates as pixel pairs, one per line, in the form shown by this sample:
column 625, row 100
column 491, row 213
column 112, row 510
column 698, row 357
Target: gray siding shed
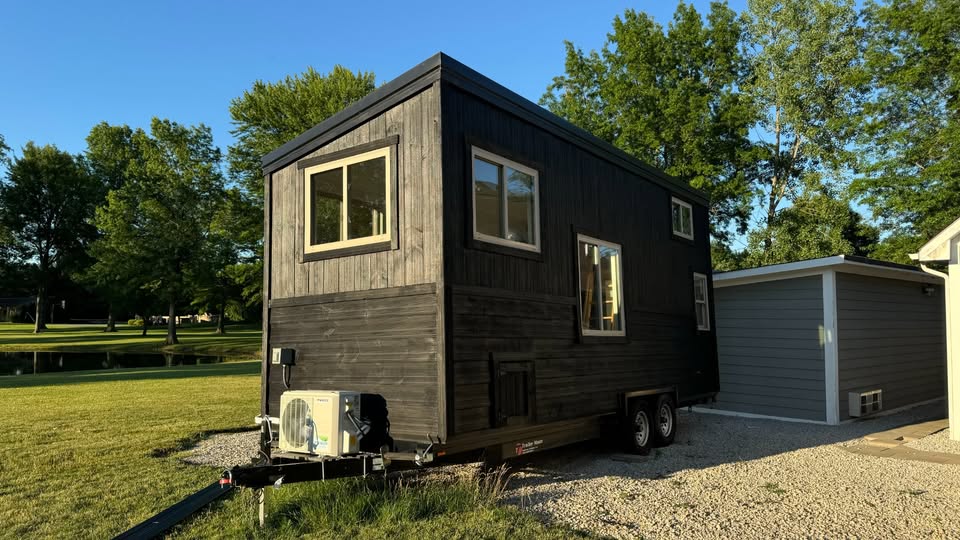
column 769, row 340
column 891, row 336
column 793, row 340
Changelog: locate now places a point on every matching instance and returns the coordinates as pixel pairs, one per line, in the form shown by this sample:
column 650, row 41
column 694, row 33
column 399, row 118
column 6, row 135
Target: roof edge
column 441, row 66
column 851, row 264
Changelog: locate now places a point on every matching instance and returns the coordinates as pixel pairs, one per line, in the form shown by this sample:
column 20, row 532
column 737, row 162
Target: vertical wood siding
column 891, row 336
column 770, row 347
column 368, row 322
column 521, row 308
column 417, row 260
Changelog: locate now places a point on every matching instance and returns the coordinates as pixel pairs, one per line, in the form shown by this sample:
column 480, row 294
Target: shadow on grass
column 248, row 367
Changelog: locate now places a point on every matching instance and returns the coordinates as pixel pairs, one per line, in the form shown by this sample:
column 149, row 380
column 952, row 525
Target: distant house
column 945, row 249
column 828, row 339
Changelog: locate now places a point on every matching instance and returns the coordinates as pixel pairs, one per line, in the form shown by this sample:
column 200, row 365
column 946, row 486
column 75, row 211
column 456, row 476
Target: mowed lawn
column 76, row 450
column 90, row 454
column 240, row 340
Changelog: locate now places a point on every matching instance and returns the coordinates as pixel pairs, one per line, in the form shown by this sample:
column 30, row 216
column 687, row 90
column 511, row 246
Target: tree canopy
column 46, row 202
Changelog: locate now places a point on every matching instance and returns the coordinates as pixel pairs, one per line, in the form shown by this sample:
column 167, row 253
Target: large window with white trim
column 506, row 206
column 601, row 287
column 681, row 214
column 348, row 202
column 701, row 303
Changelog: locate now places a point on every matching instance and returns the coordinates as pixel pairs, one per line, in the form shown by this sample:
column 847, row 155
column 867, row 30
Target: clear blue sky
column 69, row 65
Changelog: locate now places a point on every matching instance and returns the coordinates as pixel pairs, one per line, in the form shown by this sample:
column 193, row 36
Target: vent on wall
column 866, row 402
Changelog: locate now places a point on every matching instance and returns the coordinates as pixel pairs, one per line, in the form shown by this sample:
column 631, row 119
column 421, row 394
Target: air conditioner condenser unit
column 320, row 423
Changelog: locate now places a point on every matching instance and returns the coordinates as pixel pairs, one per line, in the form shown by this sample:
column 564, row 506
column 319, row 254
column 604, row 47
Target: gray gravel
column 225, row 450
column 938, row 442
column 727, row 477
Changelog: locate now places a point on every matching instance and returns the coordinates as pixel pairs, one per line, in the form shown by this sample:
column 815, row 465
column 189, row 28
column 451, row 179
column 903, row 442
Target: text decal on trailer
column 529, row 446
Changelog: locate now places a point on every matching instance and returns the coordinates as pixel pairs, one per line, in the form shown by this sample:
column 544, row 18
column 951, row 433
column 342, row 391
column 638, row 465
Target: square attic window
column 682, row 217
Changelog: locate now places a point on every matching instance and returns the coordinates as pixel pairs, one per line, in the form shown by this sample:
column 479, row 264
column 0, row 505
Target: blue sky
column 67, row 66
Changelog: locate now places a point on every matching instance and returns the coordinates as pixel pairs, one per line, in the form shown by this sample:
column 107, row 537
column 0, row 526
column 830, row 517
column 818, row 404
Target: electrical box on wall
column 282, row 357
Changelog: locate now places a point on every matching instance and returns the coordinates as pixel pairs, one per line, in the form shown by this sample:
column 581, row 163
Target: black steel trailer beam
column 259, row 476
column 167, row 519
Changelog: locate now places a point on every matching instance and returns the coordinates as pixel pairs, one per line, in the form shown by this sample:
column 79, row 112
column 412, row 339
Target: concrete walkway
column 890, row 444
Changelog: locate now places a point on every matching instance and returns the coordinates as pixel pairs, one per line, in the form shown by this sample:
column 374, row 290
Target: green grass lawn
column 240, row 340
column 78, row 460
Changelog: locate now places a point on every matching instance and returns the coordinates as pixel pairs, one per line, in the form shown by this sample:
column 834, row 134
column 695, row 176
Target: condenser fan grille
column 294, row 420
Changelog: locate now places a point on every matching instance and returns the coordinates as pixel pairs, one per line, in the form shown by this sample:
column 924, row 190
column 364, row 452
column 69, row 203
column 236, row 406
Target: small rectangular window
column 506, row 207
column 700, row 302
column 682, row 217
column 348, row 202
column 601, row 289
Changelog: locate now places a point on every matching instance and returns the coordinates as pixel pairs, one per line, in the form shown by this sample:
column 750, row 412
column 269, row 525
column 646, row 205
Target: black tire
column 664, row 421
column 638, row 428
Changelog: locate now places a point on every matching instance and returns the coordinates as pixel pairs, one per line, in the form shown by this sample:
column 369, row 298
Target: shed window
column 506, row 208
column 700, row 302
column 347, row 202
column 601, row 289
column 682, row 217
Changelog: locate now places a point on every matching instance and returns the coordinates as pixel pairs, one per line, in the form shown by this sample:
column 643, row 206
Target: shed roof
column 850, row 264
column 442, row 67
column 938, row 248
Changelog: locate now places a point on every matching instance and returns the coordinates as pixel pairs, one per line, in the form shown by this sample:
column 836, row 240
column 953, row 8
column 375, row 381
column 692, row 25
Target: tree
column 911, row 123
column 46, row 203
column 819, row 223
column 265, row 117
column 806, row 78
column 157, row 222
column 670, row 98
column 112, row 152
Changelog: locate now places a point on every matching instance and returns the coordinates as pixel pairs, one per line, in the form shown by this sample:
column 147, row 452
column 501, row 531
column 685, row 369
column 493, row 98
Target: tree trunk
column 220, row 321
column 111, row 320
column 172, row 324
column 39, row 325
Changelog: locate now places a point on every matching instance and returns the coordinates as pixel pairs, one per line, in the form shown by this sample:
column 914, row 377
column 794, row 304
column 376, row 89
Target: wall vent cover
column 865, row 403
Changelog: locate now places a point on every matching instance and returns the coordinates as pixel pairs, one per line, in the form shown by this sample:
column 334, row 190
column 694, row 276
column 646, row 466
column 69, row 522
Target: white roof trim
column 938, row 248
column 813, row 267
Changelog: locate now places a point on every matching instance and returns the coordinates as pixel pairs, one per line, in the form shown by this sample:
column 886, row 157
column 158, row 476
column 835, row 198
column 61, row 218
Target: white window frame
column 623, row 313
column 504, row 162
column 344, row 163
column 688, row 206
column 705, row 301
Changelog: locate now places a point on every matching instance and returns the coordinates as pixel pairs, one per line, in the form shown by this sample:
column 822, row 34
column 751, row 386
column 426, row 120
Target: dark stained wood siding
column 383, row 342
column 367, row 322
column 522, row 308
column 417, row 260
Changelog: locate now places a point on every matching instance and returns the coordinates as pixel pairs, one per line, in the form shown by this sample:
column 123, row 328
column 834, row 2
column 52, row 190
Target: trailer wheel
column 665, row 421
column 639, row 428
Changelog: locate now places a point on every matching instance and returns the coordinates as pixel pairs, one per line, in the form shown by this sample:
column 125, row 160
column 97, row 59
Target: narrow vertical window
column 347, row 202
column 505, row 202
column 601, row 289
column 681, row 214
column 700, row 302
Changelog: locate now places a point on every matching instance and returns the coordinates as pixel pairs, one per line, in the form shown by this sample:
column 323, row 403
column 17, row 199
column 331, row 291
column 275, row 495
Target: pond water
column 28, row 363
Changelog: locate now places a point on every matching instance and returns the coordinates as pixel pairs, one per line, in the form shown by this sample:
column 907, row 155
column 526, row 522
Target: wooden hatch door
column 513, row 391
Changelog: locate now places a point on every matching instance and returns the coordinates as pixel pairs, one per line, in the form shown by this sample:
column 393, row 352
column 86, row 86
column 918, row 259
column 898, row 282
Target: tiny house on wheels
column 450, row 268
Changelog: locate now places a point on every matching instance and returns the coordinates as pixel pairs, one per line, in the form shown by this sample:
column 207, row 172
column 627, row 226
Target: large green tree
column 158, row 221
column 264, row 117
column 47, row 200
column 671, row 98
column 806, row 79
column 911, row 124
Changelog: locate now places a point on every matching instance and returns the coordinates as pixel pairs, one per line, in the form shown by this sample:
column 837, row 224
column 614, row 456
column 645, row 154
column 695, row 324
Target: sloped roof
column 850, row 264
column 442, row 67
column 938, row 248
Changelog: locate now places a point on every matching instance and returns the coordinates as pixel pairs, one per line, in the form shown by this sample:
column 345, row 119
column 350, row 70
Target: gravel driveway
column 728, row 477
